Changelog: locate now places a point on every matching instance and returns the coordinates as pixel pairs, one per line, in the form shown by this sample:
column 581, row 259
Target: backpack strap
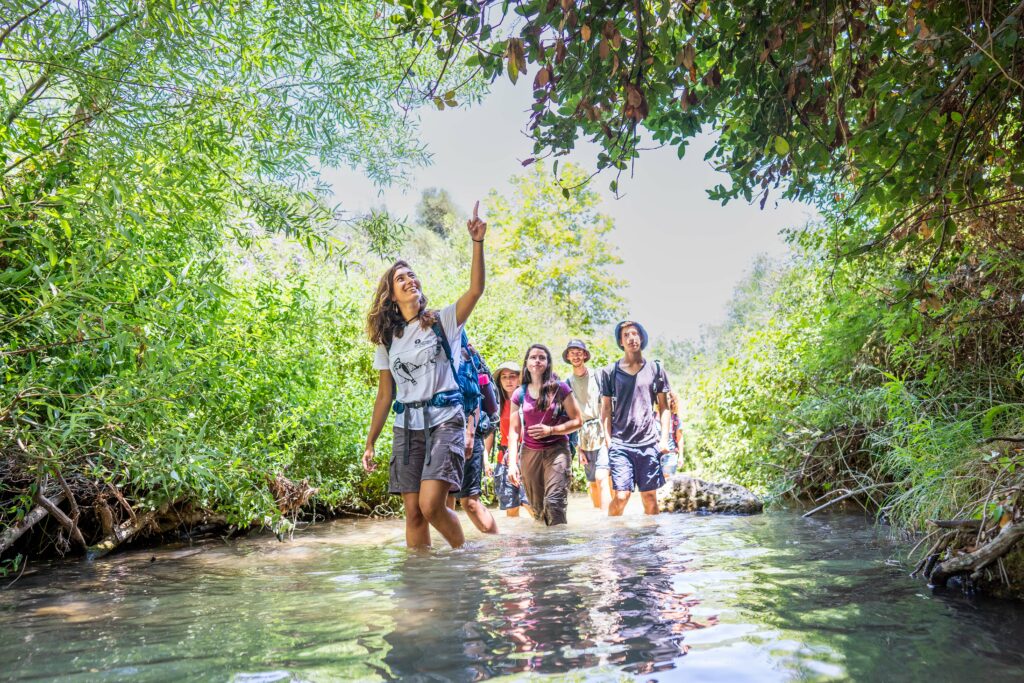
column 659, row 377
column 439, row 331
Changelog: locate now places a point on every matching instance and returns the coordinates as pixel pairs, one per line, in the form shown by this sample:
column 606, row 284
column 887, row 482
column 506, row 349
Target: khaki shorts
column 447, row 450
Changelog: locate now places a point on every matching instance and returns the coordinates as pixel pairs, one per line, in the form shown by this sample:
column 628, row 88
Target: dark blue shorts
column 509, row 495
column 473, row 471
column 635, row 466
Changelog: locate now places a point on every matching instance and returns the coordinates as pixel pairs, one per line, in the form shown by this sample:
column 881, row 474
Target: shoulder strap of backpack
column 439, row 331
column 659, row 375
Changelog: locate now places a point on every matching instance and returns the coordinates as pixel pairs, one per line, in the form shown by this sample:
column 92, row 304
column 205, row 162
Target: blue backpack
column 467, row 375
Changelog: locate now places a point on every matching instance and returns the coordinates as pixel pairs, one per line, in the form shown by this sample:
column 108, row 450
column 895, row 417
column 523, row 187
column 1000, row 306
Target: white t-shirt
column 420, row 369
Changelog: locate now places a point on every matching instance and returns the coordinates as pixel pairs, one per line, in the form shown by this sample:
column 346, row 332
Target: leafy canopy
column 906, row 114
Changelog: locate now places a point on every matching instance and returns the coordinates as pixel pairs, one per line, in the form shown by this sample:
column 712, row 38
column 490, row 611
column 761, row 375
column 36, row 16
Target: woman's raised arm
column 464, row 306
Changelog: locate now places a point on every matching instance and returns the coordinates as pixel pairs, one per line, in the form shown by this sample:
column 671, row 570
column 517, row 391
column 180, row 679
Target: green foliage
column 550, row 242
column 148, row 148
column 815, row 386
column 906, row 114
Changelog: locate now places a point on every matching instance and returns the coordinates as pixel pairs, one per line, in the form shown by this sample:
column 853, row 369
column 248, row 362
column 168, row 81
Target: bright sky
column 683, row 252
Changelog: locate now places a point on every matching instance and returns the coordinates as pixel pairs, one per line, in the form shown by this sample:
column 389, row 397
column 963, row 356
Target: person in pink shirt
column 544, row 412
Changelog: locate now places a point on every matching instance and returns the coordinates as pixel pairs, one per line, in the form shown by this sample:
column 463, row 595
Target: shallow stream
column 771, row 597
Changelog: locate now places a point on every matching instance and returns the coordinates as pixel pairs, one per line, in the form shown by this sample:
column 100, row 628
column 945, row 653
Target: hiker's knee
column 433, row 510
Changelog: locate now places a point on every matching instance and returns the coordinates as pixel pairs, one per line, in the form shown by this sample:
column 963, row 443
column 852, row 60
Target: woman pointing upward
column 416, row 371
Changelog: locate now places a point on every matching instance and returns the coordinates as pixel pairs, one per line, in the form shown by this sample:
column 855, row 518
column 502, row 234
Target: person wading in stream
column 629, row 389
column 544, row 413
column 415, row 351
column 510, row 496
column 473, row 467
column 593, row 452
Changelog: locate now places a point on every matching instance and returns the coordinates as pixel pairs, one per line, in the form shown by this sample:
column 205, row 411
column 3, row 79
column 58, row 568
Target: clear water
column 677, row 597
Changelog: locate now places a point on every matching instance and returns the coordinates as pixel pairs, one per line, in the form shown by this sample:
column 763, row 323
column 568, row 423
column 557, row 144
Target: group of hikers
column 623, row 420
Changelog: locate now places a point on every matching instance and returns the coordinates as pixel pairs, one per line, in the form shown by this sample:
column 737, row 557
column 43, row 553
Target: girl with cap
column 429, row 430
column 549, row 414
column 510, row 496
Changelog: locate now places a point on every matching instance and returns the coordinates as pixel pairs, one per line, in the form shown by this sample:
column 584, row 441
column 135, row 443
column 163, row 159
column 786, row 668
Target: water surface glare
column 677, row 597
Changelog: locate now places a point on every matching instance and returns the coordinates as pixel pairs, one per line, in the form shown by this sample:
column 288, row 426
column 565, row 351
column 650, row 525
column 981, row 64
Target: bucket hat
column 509, row 365
column 643, row 333
column 575, row 344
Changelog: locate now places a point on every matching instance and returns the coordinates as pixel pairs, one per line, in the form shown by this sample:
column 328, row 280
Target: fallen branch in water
column 973, row 562
column 848, row 494
column 928, row 560
column 16, row 531
column 121, row 533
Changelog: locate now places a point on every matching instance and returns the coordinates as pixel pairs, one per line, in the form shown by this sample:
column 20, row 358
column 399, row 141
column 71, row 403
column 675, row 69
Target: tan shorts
column 410, row 466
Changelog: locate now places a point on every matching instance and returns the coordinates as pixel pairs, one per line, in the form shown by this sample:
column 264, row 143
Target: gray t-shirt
column 633, row 400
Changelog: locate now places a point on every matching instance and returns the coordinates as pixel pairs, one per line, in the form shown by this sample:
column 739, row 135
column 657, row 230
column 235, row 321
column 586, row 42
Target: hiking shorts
column 635, row 466
column 443, row 463
column 594, row 461
column 509, row 495
column 473, row 470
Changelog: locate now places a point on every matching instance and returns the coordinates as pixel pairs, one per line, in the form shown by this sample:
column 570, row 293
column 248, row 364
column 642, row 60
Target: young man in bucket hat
column 593, row 451
column 629, row 388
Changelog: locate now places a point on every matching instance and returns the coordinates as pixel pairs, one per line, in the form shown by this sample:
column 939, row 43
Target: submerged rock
column 683, row 493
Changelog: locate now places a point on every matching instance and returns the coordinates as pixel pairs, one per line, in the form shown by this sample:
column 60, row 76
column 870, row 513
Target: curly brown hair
column 384, row 322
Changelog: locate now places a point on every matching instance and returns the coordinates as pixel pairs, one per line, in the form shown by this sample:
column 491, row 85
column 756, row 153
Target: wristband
column 480, row 241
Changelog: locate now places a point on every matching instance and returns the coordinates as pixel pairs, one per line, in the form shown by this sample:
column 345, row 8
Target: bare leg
column 432, row 499
column 650, row 501
column 512, row 512
column 595, row 493
column 450, row 501
column 417, row 530
column 602, row 476
column 479, row 514
column 618, row 503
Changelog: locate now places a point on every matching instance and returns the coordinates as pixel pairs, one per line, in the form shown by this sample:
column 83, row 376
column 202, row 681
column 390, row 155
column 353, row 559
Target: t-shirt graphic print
column 414, row 367
column 420, row 369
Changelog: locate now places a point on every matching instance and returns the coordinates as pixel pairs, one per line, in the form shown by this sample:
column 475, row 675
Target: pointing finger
column 476, row 208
